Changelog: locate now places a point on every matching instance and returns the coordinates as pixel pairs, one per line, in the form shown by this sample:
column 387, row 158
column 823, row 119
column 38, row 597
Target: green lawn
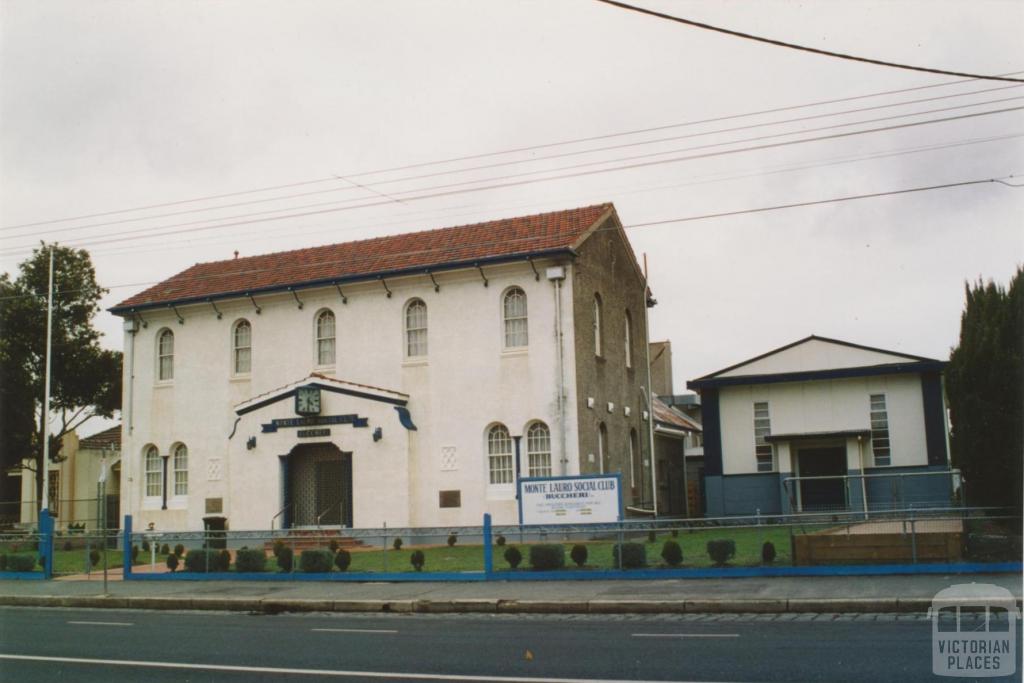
column 76, row 562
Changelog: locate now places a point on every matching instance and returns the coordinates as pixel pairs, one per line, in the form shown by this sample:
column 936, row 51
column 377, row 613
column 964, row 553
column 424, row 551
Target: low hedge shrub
column 172, row 563
column 316, row 561
column 285, row 556
column 672, row 553
column 21, row 563
column 397, row 544
column 768, row 553
column 250, row 560
column 417, row 560
column 201, row 561
column 634, row 555
column 547, row 556
column 342, row 560
column 721, row 551
column 513, row 556
column 579, row 554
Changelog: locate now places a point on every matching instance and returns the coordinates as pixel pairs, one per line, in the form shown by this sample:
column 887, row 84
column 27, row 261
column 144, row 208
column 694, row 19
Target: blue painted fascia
column 748, row 572
column 363, row 277
column 925, row 366
column 23, row 576
column 398, row 577
column 326, row 387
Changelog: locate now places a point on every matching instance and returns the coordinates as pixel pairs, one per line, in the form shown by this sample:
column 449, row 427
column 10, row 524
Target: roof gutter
column 401, row 272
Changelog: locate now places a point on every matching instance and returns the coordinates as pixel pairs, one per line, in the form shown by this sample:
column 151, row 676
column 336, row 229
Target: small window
column 629, row 340
column 325, row 338
column 415, row 329
column 165, row 355
column 154, row 473
column 597, row 324
column 514, row 312
column 880, row 431
column 499, row 455
column 762, row 429
column 602, row 444
column 242, row 347
column 53, row 492
column 538, row 449
column 180, row 470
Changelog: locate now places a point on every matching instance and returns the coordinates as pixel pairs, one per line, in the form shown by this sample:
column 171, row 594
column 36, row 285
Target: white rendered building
column 403, row 380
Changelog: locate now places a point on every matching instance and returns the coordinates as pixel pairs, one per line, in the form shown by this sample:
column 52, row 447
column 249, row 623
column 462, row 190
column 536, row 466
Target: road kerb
column 166, row 603
column 737, row 606
column 226, row 604
column 542, row 606
column 481, row 605
column 636, row 606
column 278, row 605
column 842, row 605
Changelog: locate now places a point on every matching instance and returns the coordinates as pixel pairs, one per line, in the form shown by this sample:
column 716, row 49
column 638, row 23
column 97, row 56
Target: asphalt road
column 50, row 644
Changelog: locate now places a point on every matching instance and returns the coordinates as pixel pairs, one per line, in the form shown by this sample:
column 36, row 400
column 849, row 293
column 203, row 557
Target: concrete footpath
column 824, row 594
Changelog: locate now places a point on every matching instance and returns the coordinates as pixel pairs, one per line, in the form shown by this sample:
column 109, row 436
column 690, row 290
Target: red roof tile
column 103, row 440
column 364, row 258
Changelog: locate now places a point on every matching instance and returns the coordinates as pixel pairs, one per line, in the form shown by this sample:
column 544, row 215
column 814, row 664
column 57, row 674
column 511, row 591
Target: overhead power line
column 804, row 48
column 482, row 155
column 664, row 221
column 182, row 228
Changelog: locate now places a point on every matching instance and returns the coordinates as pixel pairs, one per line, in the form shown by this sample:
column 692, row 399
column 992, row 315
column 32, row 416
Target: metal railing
column 871, row 501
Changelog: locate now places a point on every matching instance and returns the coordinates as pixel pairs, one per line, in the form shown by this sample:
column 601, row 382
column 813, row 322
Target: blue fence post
column 488, row 547
column 126, row 547
column 46, row 542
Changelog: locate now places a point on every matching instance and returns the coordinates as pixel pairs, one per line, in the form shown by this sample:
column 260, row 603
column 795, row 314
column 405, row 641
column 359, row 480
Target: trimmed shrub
column 397, row 544
column 547, row 556
column 316, row 561
column 172, row 563
column 672, row 553
column 513, row 556
column 145, row 546
column 334, row 545
column 94, row 557
column 634, row 555
column 417, row 560
column 342, row 560
column 285, row 555
column 675, row 533
column 200, row 560
column 452, row 539
column 21, row 563
column 721, row 551
column 179, row 550
column 499, row 540
column 247, row 560
column 768, row 552
column 278, row 547
column 67, row 545
column 135, row 553
column 579, row 554
column 166, row 549
column 652, row 536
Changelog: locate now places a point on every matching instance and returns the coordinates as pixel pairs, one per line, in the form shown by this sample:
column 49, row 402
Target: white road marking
column 100, row 623
column 313, row 672
column 685, row 635
column 354, row 630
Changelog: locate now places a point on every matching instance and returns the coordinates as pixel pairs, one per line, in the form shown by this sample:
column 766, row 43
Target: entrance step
column 314, row 539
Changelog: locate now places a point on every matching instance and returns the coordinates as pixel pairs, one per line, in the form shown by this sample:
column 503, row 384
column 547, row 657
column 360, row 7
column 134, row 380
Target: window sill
column 515, row 352
column 163, row 383
column 240, row 378
column 415, row 362
column 325, row 369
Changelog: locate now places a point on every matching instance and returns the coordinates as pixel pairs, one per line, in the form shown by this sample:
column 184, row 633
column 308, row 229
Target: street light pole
column 45, row 472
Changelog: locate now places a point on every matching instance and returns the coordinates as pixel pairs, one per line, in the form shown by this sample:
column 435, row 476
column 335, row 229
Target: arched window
column 597, row 324
column 415, row 328
column 602, row 445
column 241, row 344
column 499, row 455
column 325, row 338
column 514, row 312
column 629, row 340
column 634, row 460
column 165, row 355
column 538, row 449
column 154, row 473
column 180, row 470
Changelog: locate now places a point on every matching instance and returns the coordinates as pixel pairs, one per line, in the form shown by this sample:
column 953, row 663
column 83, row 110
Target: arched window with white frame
column 154, row 472
column 180, row 462
column 499, row 455
column 538, row 449
column 325, row 338
column 165, row 355
column 415, row 329
column 513, row 308
column 241, row 347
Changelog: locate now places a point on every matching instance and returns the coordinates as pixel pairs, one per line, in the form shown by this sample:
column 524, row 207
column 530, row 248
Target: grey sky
column 112, row 105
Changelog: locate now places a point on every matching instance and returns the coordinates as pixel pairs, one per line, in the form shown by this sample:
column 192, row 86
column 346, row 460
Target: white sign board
column 570, row 500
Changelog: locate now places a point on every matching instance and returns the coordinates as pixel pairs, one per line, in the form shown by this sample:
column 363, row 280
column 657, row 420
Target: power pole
column 45, row 472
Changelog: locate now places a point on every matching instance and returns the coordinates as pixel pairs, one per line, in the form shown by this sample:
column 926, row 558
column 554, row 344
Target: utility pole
column 45, row 472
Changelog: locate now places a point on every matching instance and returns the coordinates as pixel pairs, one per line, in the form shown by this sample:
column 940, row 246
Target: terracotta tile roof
column 103, row 440
column 445, row 247
column 667, row 415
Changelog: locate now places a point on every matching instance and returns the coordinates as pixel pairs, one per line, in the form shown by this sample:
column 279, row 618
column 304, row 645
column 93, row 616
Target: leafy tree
column 85, row 379
column 985, row 381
